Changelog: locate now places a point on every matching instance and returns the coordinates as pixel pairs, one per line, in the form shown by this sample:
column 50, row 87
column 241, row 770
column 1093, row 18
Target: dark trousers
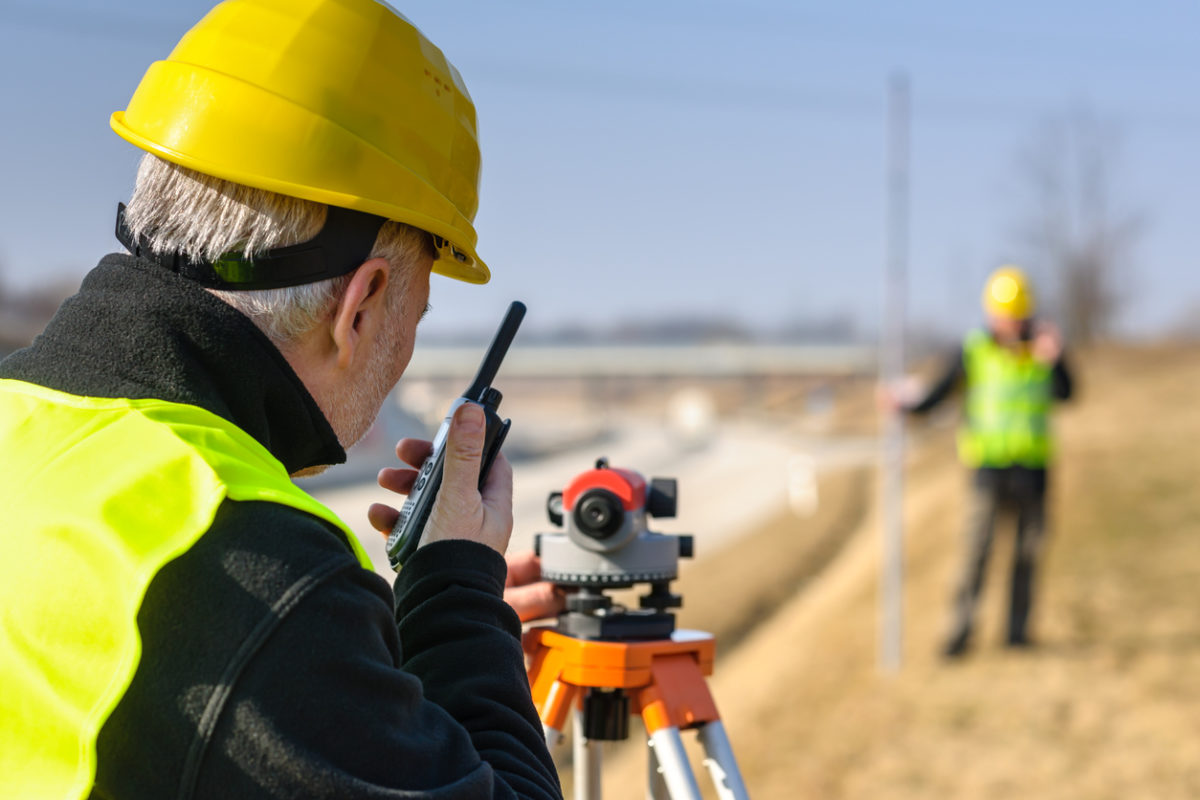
column 994, row 491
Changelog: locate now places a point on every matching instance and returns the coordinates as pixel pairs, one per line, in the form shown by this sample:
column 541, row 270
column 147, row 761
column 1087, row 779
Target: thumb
column 464, row 451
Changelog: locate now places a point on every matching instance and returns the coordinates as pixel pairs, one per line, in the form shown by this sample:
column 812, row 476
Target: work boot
column 1019, row 641
column 956, row 646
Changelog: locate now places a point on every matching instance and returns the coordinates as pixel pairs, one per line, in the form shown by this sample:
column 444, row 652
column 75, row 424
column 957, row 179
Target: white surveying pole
column 891, row 362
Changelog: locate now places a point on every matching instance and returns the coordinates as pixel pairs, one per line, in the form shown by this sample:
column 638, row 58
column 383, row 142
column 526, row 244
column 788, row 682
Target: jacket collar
column 136, row 330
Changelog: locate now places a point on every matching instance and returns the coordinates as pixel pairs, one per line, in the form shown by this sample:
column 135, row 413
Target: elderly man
column 1011, row 373
column 179, row 619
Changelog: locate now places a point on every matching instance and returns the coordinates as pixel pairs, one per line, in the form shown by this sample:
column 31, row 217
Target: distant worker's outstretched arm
column 952, row 375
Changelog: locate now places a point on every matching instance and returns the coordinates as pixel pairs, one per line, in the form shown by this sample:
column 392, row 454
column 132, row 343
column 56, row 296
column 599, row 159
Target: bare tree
column 1080, row 235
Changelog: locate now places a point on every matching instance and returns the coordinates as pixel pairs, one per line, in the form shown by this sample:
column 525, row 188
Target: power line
column 658, row 88
column 1038, row 42
column 763, row 97
column 1023, row 44
column 92, row 24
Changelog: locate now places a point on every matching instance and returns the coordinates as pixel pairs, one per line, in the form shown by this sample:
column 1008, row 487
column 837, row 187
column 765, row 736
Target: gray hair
column 179, row 210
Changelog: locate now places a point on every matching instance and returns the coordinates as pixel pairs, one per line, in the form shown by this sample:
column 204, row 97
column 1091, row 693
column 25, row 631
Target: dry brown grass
column 1108, row 706
column 776, row 561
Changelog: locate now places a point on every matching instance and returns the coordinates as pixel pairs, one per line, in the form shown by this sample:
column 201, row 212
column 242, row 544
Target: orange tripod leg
column 677, row 695
column 552, row 697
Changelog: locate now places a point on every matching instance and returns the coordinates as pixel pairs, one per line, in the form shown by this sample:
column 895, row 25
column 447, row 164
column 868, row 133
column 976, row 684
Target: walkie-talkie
column 406, row 535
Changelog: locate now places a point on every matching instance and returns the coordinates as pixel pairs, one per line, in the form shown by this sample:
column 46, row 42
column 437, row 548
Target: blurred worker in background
column 1010, row 374
column 177, row 617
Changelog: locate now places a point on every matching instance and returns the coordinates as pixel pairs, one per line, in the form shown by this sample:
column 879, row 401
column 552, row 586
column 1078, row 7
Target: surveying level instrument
column 605, row 662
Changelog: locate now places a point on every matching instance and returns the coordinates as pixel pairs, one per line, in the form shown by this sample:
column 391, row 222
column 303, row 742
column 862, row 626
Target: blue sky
column 699, row 157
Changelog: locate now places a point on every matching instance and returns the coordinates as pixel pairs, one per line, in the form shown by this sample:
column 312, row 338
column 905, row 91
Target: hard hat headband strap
column 344, row 242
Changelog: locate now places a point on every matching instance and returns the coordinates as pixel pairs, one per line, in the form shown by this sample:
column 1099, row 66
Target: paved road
column 743, row 474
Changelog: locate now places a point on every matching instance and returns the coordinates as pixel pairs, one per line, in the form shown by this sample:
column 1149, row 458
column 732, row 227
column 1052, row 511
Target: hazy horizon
column 701, row 158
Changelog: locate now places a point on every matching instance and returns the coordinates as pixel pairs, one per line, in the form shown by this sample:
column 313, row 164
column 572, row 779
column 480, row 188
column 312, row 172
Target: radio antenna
column 495, row 353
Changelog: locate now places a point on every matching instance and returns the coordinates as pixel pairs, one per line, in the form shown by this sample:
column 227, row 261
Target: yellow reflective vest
column 97, row 496
column 1007, row 409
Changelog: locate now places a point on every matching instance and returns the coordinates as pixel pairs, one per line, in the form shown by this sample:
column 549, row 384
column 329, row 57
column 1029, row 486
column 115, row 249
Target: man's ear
column 360, row 313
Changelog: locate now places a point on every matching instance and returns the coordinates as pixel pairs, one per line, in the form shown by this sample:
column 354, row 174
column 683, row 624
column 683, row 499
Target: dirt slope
column 1107, row 706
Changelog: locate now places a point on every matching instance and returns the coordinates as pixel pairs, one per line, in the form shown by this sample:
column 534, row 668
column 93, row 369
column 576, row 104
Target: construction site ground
column 1107, row 705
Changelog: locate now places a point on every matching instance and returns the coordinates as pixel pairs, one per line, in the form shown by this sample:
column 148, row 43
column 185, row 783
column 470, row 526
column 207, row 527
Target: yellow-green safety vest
column 1007, row 411
column 99, row 495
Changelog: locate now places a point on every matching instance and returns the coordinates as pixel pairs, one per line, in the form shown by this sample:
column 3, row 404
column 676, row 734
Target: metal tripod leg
column 656, row 787
column 726, row 776
column 671, row 777
column 667, row 751
column 586, row 762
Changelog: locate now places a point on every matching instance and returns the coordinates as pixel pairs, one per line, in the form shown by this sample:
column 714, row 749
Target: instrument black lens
column 599, row 513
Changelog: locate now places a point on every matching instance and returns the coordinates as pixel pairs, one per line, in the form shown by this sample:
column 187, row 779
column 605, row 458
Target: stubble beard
column 355, row 409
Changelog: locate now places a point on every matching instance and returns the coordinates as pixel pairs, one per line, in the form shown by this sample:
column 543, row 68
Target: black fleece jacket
column 273, row 665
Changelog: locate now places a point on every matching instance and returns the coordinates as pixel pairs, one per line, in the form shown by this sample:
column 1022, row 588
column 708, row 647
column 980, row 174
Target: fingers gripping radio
column 606, row 542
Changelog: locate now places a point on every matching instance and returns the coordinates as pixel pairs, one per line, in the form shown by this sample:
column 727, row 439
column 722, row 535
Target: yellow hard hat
column 1009, row 294
column 342, row 102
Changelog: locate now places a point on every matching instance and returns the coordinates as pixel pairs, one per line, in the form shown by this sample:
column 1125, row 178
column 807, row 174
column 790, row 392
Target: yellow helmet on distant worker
column 1009, row 294
column 342, row 102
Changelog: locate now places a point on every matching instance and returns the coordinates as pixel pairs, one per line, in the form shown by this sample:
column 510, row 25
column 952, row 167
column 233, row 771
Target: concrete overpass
column 650, row 361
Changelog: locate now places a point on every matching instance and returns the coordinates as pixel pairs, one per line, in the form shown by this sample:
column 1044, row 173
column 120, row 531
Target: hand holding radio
column 1047, row 342
column 465, row 448
column 461, row 510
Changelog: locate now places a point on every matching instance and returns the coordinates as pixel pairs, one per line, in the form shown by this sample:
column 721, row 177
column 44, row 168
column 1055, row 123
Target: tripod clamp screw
column 588, row 602
column 660, row 597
